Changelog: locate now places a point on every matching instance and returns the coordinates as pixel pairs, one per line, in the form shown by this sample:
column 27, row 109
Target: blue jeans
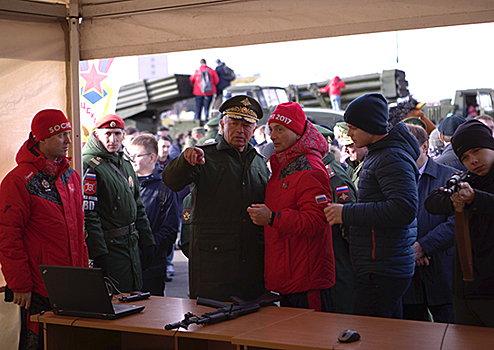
column 380, row 296
column 202, row 101
column 335, row 102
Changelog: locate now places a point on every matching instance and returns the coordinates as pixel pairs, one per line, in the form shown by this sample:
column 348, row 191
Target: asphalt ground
column 179, row 286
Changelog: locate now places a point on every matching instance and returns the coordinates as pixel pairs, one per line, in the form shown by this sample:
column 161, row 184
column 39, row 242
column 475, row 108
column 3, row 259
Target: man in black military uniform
column 343, row 191
column 226, row 248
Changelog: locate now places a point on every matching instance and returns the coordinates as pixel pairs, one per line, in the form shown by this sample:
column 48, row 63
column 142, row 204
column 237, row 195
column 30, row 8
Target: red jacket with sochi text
column 41, row 219
column 299, row 252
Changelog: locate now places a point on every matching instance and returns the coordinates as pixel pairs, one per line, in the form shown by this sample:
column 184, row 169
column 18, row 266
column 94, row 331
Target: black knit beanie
column 369, row 112
column 472, row 134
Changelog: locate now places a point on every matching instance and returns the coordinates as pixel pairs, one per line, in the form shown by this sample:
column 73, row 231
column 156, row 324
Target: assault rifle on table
column 225, row 311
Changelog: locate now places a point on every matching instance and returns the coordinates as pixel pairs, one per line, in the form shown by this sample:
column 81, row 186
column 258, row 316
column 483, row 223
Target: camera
column 453, row 183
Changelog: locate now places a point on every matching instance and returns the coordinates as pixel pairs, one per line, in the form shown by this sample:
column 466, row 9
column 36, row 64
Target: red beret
column 49, row 122
column 110, row 121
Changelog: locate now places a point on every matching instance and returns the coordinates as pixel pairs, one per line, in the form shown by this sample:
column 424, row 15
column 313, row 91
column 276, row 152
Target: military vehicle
column 271, row 96
column 391, row 83
column 482, row 101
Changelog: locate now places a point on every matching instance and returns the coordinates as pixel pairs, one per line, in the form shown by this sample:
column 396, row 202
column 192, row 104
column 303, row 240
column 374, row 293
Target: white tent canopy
column 46, row 39
column 43, row 41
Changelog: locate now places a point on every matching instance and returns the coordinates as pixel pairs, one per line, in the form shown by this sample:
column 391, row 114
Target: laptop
column 82, row 292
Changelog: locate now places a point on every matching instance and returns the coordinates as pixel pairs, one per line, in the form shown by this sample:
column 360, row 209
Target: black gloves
column 147, row 257
column 103, row 263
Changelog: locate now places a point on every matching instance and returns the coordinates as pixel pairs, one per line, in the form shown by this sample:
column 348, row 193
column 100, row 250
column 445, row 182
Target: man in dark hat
column 226, row 176
column 115, row 218
column 41, row 220
column 446, row 130
column 381, row 238
column 472, row 142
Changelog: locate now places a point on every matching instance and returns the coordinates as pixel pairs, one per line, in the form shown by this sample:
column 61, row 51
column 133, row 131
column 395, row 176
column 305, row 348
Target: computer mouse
column 348, row 336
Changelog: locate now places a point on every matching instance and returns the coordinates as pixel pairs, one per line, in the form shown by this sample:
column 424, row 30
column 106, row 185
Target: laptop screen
column 79, row 289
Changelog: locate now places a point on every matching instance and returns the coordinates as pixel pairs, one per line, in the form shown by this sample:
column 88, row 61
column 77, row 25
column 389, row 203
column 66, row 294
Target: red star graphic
column 93, row 79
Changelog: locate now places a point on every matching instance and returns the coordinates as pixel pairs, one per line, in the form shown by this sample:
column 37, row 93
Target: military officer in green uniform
column 356, row 155
column 115, row 220
column 343, row 191
column 212, row 130
column 226, row 251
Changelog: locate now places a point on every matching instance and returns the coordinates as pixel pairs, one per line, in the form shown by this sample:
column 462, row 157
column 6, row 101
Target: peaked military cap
column 415, row 121
column 325, row 131
column 242, row 107
column 213, row 122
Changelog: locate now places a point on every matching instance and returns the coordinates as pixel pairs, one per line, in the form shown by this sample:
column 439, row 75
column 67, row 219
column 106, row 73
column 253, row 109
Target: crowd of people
column 356, row 219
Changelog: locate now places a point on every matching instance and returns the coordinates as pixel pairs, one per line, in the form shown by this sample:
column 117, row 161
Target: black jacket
column 481, row 212
column 381, row 240
column 226, row 248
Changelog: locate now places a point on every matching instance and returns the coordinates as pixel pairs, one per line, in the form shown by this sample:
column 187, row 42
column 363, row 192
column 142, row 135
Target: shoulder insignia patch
column 342, row 194
column 186, row 215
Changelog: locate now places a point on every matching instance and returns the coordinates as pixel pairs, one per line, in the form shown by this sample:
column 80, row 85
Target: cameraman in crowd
column 473, row 300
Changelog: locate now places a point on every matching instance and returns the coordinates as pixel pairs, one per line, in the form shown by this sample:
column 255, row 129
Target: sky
column 437, row 61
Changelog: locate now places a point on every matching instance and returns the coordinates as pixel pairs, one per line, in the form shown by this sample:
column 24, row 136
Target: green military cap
column 415, row 121
column 325, row 131
column 213, row 122
column 341, row 134
column 198, row 130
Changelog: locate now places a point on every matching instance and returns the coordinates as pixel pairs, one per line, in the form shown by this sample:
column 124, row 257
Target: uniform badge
column 186, row 215
column 112, row 124
column 342, row 194
column 90, row 184
column 321, row 199
column 246, row 102
column 131, row 182
column 45, row 184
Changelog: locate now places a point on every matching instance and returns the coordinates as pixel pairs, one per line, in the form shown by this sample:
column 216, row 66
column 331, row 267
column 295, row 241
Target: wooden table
column 145, row 330
column 269, row 328
column 317, row 330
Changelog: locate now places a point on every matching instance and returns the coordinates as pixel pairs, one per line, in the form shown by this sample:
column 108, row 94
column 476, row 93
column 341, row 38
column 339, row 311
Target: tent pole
column 74, row 100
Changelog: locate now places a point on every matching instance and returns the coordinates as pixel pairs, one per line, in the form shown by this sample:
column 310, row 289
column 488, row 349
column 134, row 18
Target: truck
column 481, row 99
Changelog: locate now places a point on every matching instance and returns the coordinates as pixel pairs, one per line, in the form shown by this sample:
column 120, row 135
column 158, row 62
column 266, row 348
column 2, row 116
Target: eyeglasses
column 134, row 156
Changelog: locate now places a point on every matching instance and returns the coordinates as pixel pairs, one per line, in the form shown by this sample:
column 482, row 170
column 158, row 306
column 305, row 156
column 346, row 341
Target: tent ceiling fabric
column 112, row 28
column 182, row 25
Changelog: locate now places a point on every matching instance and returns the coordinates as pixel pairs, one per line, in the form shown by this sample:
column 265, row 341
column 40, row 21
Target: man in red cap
column 41, row 221
column 296, row 231
column 115, row 218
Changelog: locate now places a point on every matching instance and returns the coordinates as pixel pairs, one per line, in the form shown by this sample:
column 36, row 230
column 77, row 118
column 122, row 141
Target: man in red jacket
column 41, row 221
column 299, row 260
column 204, row 91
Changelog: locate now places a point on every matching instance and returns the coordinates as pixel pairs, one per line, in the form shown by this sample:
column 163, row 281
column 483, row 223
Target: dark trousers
column 474, row 312
column 29, row 340
column 156, row 286
column 380, row 296
column 202, row 102
column 420, row 312
column 318, row 300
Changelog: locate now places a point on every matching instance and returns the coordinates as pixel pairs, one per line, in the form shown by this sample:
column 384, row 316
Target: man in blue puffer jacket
column 381, row 234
